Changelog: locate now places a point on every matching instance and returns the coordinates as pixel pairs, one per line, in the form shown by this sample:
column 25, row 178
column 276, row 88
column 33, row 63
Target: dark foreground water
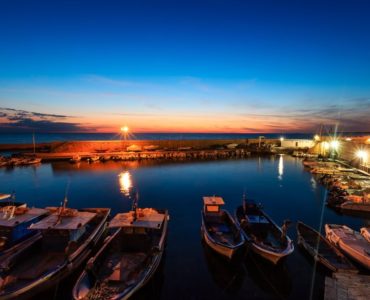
column 189, row 269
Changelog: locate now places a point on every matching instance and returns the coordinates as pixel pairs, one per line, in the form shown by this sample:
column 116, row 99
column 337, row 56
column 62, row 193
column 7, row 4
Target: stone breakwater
column 148, row 149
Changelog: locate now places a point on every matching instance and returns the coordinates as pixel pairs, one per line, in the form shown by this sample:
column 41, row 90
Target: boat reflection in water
column 227, row 275
column 274, row 279
column 125, row 183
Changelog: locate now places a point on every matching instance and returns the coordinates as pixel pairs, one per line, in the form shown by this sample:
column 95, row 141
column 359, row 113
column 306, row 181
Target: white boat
column 219, row 230
column 351, row 242
column 264, row 236
column 365, row 232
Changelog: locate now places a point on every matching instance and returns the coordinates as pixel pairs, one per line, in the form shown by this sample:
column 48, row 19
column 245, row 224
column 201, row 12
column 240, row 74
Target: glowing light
column 348, row 139
column 316, row 137
column 125, row 183
column 281, row 139
column 124, row 129
column 325, row 145
column 334, row 145
column 368, row 141
column 281, row 167
column 362, row 154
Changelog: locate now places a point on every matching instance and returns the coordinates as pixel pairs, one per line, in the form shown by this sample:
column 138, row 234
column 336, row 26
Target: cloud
column 25, row 121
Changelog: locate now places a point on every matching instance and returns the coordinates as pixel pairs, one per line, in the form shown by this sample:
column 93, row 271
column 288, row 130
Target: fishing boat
column 351, row 242
column 219, row 229
column 68, row 237
column 75, row 159
column 264, row 236
column 15, row 234
column 8, row 200
column 129, row 257
column 322, row 250
column 365, row 232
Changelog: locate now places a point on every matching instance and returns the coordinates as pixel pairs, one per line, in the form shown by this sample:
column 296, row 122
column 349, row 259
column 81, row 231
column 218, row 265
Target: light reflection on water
column 281, row 167
column 125, row 183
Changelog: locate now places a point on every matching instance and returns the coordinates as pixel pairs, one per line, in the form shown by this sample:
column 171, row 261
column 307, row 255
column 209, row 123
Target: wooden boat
column 265, row 237
column 94, row 158
column 68, row 236
column 15, row 235
column 129, row 257
column 219, row 229
column 7, row 200
column 365, row 232
column 75, row 159
column 322, row 250
column 351, row 242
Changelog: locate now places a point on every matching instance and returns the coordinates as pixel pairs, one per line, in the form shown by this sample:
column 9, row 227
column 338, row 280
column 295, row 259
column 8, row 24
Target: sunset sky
column 184, row 66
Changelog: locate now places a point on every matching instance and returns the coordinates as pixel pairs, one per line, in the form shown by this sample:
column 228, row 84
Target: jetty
column 343, row 286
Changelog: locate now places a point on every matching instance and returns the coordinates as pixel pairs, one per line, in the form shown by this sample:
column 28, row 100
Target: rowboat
column 365, row 232
column 67, row 239
column 219, row 230
column 264, row 236
column 129, row 257
column 15, row 235
column 351, row 242
column 322, row 250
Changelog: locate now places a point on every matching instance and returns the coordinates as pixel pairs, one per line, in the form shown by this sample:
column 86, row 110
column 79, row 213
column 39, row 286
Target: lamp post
column 124, row 130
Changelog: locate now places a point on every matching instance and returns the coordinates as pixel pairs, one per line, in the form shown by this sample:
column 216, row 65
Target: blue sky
column 220, row 66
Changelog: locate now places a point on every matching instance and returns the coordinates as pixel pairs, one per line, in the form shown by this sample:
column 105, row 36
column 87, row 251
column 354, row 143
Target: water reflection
column 226, row 275
column 125, row 183
column 281, row 167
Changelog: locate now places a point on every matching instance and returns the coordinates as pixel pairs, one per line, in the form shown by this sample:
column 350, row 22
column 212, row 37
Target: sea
column 190, row 270
column 27, row 138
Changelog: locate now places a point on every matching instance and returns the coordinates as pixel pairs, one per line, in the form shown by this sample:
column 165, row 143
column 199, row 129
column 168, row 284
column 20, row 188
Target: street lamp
column 125, row 131
column 362, row 155
column 316, row 137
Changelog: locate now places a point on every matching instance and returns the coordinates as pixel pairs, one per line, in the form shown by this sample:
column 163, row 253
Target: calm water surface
column 189, row 269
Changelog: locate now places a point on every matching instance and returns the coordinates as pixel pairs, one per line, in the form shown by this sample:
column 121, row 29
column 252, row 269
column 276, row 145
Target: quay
column 344, row 286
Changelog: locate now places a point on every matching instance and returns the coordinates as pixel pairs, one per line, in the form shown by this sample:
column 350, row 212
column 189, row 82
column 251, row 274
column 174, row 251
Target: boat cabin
column 14, row 223
column 140, row 232
column 212, row 205
column 63, row 226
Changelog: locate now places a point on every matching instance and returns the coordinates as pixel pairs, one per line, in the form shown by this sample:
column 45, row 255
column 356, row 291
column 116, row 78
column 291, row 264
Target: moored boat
column 75, row 159
column 67, row 238
column 15, row 235
column 219, row 229
column 265, row 237
column 365, row 232
column 351, row 242
column 322, row 250
column 129, row 257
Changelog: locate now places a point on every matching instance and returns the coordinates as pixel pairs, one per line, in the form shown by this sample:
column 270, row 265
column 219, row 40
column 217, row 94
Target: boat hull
column 49, row 280
column 222, row 250
column 360, row 257
column 83, row 285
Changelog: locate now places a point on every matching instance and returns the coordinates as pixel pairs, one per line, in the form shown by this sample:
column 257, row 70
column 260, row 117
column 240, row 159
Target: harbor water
column 189, row 269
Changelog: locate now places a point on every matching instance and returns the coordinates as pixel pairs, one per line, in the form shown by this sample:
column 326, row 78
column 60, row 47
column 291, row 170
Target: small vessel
column 351, row 242
column 75, row 159
column 129, row 257
column 15, row 235
column 32, row 161
column 67, row 239
column 7, row 200
column 322, row 250
column 365, row 232
column 219, row 229
column 265, row 237
column 94, row 158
